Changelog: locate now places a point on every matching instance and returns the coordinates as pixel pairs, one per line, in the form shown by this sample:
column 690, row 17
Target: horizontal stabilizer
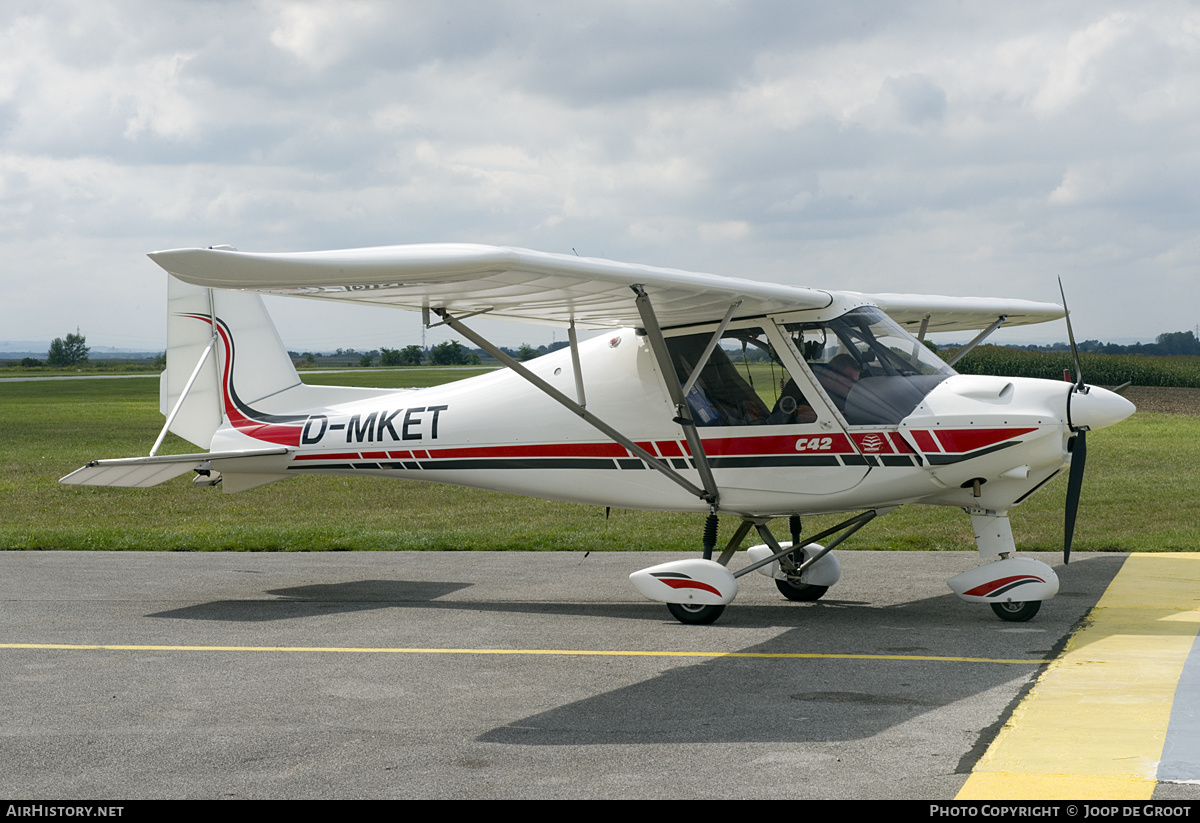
column 142, row 472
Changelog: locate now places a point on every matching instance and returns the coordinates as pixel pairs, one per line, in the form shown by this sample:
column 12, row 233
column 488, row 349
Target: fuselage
column 893, row 434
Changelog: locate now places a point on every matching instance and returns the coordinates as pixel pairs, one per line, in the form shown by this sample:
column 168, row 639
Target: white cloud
column 930, row 148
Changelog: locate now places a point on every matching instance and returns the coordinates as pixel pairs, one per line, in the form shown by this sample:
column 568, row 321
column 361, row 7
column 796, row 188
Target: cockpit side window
column 874, row 371
column 743, row 382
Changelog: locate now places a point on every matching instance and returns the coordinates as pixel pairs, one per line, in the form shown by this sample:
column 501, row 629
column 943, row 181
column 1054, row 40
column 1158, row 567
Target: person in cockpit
column 838, row 377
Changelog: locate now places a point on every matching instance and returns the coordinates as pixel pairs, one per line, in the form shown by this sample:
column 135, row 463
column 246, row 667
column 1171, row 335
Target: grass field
column 1138, row 495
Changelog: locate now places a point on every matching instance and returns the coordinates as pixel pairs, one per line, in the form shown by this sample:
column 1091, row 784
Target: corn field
column 1098, row 369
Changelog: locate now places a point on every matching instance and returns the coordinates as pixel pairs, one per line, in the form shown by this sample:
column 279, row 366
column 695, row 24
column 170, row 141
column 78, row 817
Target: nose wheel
column 695, row 615
column 800, row 592
column 1017, row 612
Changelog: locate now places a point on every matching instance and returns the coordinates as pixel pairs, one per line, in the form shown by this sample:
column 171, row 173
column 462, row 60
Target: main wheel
column 695, row 615
column 1017, row 612
column 800, row 592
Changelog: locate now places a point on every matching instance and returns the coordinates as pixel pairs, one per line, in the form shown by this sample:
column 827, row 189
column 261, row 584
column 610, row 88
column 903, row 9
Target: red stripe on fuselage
column 775, row 444
column 925, row 440
column 541, row 450
column 668, row 448
column 961, row 441
column 768, row 445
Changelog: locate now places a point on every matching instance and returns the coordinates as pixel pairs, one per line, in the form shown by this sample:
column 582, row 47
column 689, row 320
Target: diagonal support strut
column 554, row 394
column 851, row 526
column 683, row 414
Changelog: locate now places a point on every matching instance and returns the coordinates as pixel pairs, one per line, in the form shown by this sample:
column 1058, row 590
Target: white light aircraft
column 707, row 394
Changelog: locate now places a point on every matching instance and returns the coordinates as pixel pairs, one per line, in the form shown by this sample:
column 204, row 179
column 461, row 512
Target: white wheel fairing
column 1012, row 580
column 693, row 582
column 825, row 572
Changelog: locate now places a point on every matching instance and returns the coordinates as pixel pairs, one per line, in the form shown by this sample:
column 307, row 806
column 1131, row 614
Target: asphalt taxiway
column 502, row 675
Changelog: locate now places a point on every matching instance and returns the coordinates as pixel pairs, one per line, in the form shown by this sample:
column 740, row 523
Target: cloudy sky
column 932, row 147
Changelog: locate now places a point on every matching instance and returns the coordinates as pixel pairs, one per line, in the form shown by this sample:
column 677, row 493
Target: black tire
column 695, row 615
column 800, row 592
column 1017, row 612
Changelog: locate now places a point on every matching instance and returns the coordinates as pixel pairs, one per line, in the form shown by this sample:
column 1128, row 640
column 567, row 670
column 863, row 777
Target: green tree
column 389, row 357
column 452, row 353
column 527, row 352
column 412, row 355
column 365, row 360
column 1179, row 342
column 69, row 352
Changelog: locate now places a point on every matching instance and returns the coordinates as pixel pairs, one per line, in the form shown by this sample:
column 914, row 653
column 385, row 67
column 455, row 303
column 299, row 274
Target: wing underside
column 553, row 289
column 941, row 314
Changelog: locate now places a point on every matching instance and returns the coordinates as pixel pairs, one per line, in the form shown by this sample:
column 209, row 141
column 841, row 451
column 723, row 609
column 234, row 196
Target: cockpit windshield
column 874, row 371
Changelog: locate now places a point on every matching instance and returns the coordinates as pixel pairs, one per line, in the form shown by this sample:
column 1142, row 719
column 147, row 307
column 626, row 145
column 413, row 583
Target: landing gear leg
column 1006, row 578
column 696, row 614
column 796, row 591
column 710, row 533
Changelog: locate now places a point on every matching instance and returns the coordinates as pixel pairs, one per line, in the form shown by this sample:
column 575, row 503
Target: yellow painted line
column 1094, row 724
column 567, row 652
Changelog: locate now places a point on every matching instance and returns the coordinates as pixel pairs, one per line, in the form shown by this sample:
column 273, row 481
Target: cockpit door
column 764, row 426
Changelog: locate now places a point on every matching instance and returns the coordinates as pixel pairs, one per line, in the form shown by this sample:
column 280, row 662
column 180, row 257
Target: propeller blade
column 1071, row 337
column 1074, row 485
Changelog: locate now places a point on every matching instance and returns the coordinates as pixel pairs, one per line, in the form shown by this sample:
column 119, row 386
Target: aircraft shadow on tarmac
column 738, row 699
column 729, row 700
column 319, row 599
column 744, row 700
column 361, row 595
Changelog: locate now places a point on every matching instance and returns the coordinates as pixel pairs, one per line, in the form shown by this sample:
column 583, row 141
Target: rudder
column 248, row 354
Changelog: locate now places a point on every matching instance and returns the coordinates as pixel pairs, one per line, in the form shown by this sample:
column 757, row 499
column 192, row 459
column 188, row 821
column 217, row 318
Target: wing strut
column 683, row 414
column 979, row 338
column 183, row 396
column 575, row 364
column 554, row 394
column 212, row 341
column 708, row 350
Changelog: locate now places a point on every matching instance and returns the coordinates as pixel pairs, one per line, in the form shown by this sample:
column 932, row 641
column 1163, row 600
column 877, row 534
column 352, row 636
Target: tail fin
column 195, row 316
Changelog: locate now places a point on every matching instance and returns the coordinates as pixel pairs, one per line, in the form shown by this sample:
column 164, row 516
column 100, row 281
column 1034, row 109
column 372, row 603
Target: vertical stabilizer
column 248, row 361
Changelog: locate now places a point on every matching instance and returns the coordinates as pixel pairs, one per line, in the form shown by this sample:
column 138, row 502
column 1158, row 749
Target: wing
column 961, row 313
column 555, row 289
column 517, row 284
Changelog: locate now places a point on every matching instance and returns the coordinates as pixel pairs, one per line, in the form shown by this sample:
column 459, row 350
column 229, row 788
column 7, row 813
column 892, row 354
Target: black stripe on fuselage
column 946, row 459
